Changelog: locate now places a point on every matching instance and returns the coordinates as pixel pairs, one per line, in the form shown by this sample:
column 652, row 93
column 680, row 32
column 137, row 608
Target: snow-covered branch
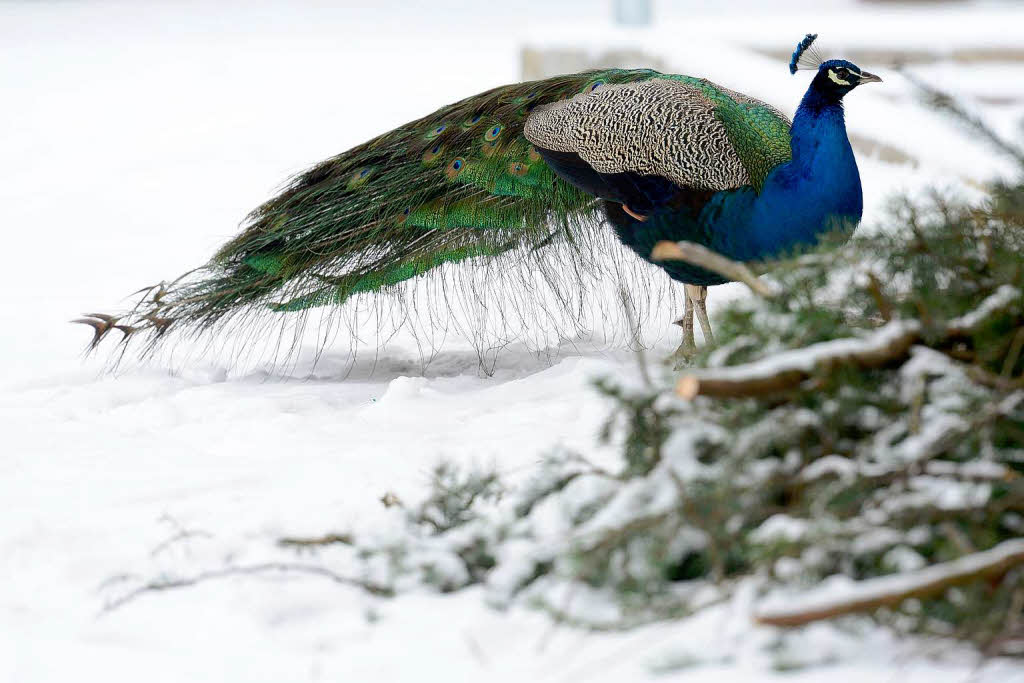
column 788, row 369
column 892, row 590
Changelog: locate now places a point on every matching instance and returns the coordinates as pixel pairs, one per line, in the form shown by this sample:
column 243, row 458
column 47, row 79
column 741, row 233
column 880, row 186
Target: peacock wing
column 690, row 131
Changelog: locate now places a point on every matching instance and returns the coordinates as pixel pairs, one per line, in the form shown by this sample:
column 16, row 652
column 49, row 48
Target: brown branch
column 1013, row 354
column 713, row 261
column 993, row 381
column 887, row 591
column 786, row 370
column 881, row 301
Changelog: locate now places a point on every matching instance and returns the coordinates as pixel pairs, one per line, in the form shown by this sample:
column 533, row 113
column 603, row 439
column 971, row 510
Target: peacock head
column 838, row 77
column 835, row 77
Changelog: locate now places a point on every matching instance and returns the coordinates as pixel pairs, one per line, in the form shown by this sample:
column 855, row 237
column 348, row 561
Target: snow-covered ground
column 135, row 136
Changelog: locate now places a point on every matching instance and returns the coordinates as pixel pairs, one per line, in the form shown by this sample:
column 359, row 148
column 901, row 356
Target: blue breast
column 816, row 192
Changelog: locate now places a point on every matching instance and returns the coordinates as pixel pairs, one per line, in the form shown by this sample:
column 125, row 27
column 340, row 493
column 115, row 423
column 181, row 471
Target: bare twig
column 255, row 569
column 990, row 379
column 1013, row 354
column 713, row 261
column 881, row 301
column 181, row 534
column 892, row 590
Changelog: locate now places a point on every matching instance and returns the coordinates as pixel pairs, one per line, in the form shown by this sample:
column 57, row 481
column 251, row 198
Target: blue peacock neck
column 814, row 193
column 819, row 124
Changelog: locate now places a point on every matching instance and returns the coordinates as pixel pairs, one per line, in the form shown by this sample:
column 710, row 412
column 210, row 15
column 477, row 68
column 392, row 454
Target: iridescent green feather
column 338, row 290
column 759, row 135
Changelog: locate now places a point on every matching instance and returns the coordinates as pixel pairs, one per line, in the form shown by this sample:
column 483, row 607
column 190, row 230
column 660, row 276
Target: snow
column 135, row 137
column 830, row 464
column 780, row 527
column 1001, row 298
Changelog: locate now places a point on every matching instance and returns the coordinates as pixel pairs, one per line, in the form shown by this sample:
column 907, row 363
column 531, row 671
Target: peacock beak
column 866, row 77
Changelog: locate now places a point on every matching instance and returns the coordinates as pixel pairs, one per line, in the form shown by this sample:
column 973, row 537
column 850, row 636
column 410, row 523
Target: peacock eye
column 843, row 73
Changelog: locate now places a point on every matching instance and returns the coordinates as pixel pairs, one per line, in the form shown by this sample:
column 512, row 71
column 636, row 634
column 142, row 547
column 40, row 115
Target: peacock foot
column 696, row 303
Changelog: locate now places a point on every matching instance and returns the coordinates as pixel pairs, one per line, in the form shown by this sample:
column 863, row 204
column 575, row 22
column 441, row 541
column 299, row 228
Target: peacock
column 515, row 171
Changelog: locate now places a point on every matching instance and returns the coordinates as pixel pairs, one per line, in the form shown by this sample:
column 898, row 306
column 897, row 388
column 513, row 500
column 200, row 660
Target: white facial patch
column 836, row 79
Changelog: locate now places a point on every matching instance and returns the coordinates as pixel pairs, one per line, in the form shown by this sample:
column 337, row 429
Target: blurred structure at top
column 548, row 61
column 633, row 12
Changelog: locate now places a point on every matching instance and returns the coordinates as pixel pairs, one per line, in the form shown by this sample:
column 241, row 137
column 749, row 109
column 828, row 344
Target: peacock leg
column 688, row 347
column 699, row 295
